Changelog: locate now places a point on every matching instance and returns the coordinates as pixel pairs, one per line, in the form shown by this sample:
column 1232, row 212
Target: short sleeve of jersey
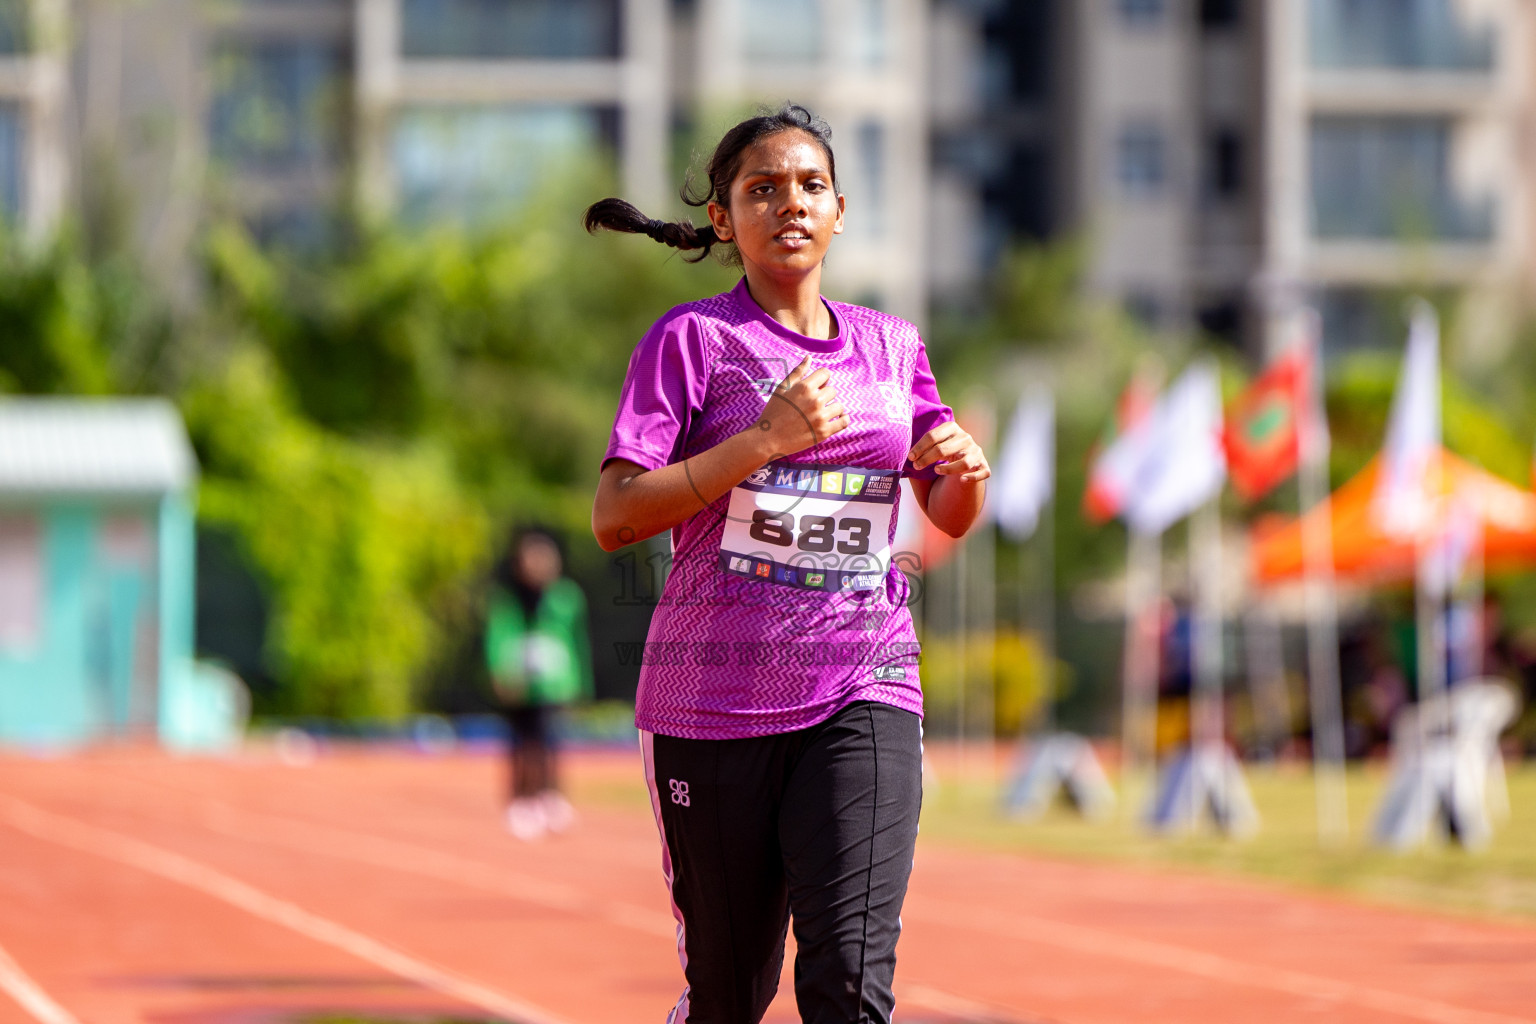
column 663, row 391
column 928, row 411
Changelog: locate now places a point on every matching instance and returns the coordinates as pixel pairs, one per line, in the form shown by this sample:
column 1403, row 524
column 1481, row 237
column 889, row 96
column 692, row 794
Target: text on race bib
column 814, row 527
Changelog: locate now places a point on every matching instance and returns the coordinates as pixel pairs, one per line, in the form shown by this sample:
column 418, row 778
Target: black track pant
column 820, row 823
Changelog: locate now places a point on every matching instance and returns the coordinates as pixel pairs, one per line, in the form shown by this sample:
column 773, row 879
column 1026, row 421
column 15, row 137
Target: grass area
column 1499, row 880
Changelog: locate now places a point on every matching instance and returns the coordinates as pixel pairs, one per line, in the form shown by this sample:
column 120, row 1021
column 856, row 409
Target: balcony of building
column 1398, row 35
column 1388, row 56
column 1390, row 178
column 1384, row 197
column 474, row 104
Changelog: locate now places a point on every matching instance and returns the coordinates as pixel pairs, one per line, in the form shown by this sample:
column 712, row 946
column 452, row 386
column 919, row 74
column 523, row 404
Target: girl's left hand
column 960, row 454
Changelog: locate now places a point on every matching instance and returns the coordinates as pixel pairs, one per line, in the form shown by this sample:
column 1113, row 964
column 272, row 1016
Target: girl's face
column 783, row 210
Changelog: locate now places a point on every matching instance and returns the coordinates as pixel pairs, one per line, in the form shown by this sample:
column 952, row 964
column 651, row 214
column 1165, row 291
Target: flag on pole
column 1182, row 463
column 1459, row 538
column 1263, row 435
column 1120, row 448
column 1403, row 503
column 1026, row 465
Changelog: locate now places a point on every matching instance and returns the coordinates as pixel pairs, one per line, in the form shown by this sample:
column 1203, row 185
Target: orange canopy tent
column 1363, row 552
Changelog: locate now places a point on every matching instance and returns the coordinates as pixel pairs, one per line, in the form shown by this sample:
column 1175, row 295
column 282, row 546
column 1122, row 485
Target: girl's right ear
column 719, row 219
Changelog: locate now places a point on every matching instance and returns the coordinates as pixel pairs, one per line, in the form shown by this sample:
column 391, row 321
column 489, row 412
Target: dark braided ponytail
column 724, row 164
column 618, row 215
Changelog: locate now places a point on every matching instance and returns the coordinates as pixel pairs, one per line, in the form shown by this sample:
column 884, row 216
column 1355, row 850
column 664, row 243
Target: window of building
column 1220, row 14
column 782, row 31
column 1141, row 12
column 1145, row 307
column 873, row 40
column 481, row 29
column 13, row 160
column 1018, row 48
column 15, row 30
column 1415, row 34
column 279, row 105
column 481, row 161
column 21, row 583
column 1224, row 164
column 1140, row 160
column 1359, row 318
column 1222, row 319
column 1388, row 177
column 870, row 197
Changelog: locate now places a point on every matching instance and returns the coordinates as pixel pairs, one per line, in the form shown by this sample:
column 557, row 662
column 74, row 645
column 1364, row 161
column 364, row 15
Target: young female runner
column 779, row 703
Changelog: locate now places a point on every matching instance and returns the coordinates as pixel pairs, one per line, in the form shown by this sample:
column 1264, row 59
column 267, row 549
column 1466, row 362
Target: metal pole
column 1143, row 569
column 1266, row 672
column 1322, row 612
column 1206, row 733
column 961, row 666
column 1046, row 539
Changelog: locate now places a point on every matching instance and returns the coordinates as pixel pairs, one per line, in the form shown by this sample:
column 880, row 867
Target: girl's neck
column 795, row 303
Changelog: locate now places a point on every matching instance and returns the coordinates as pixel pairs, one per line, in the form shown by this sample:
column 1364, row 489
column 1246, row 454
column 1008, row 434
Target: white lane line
column 307, row 835
column 177, row 868
column 411, row 858
column 1099, row 942
column 16, row 984
column 957, row 1006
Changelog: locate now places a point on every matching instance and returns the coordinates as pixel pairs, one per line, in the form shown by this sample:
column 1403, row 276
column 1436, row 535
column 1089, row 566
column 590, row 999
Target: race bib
column 813, row 527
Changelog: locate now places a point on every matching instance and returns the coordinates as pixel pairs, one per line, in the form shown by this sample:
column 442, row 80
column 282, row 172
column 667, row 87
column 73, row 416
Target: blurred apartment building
column 1229, row 160
column 279, row 109
column 1223, row 159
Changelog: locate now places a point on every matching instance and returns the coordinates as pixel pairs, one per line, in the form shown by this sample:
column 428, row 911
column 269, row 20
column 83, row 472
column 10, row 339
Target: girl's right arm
column 633, row 503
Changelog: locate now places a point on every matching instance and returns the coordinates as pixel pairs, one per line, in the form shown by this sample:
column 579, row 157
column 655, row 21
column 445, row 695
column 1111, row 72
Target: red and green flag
column 1263, row 433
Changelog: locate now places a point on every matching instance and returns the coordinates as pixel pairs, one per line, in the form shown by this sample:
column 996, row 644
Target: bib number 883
column 817, row 533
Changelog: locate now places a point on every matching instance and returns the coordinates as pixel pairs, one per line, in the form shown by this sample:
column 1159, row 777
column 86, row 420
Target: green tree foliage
column 363, row 547
column 70, row 324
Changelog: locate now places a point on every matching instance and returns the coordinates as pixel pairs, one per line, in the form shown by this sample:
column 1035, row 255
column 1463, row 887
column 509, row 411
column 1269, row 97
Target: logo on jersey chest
column 898, row 404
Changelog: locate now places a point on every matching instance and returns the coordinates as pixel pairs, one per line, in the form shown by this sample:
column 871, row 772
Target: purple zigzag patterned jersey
column 730, row 654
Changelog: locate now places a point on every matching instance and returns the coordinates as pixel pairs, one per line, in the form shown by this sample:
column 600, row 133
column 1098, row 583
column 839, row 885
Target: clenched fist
column 803, row 410
column 960, row 454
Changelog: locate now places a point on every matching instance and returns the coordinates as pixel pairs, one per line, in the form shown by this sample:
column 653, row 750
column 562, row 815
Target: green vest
column 546, row 661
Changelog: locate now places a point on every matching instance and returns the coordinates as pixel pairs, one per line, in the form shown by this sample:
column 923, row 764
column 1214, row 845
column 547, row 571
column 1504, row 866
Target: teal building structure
column 97, row 546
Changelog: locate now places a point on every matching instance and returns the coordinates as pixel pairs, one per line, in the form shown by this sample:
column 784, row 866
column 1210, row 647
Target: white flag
column 1403, row 504
column 1026, row 466
column 1183, row 464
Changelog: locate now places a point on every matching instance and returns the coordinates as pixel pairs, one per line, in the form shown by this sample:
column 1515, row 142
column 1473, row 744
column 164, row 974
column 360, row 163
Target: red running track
column 136, row 887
